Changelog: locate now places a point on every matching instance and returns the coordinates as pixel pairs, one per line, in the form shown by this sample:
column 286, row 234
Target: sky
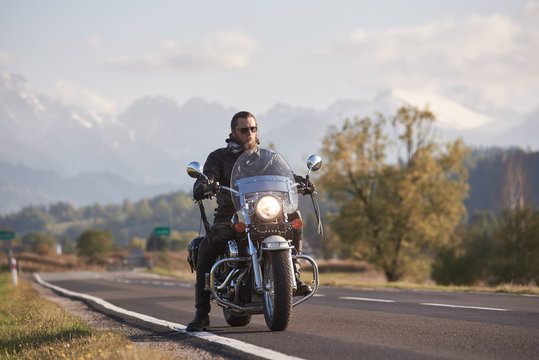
column 252, row 55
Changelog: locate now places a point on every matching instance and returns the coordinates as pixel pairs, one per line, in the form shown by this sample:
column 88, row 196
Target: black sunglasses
column 245, row 130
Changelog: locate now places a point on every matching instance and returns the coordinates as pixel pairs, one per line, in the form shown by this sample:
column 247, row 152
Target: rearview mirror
column 194, row 170
column 314, row 163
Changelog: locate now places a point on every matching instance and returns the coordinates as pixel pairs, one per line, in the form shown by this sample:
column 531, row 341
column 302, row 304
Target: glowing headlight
column 268, row 208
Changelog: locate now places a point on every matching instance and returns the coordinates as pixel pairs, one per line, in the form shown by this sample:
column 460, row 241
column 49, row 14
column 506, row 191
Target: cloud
column 6, row 58
column 72, row 94
column 494, row 54
column 230, row 50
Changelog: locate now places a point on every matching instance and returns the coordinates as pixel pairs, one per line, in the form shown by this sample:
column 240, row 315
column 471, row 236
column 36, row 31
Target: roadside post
column 8, row 235
column 14, row 271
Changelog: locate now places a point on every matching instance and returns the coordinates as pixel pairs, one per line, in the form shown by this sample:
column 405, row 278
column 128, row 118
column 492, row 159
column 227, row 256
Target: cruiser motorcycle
column 256, row 274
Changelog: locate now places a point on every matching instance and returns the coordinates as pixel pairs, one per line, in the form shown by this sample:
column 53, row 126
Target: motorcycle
column 256, row 274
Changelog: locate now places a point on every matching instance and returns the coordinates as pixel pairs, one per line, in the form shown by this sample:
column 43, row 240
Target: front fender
column 276, row 242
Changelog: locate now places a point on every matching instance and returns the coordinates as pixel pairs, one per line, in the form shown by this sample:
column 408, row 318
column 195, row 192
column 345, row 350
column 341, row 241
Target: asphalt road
column 344, row 323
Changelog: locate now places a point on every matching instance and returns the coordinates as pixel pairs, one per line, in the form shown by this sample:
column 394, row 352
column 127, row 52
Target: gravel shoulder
column 176, row 345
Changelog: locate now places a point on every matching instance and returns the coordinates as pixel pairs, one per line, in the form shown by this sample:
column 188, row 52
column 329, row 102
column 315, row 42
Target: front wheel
column 277, row 275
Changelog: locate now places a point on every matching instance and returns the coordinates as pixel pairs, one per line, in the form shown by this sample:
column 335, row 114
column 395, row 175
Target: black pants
column 210, row 247
column 215, row 244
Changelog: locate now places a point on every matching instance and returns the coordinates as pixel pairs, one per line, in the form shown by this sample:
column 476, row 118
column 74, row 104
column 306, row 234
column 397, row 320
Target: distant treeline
column 492, row 249
column 125, row 222
column 499, row 178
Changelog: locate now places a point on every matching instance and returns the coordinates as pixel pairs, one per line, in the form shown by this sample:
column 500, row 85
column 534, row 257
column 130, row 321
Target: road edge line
column 233, row 343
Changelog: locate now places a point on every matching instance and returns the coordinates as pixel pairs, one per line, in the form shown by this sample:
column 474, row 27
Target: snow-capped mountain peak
column 449, row 114
column 18, row 86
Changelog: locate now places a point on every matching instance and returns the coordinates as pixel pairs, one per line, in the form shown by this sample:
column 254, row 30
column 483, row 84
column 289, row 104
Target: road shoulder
column 175, row 344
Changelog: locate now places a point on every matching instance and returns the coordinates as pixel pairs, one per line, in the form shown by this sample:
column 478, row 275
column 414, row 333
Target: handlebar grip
column 213, row 188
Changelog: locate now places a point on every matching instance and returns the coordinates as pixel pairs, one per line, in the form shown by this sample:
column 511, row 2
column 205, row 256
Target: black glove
column 305, row 186
column 202, row 190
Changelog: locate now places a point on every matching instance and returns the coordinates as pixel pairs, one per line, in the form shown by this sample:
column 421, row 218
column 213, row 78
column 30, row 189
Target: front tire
column 277, row 277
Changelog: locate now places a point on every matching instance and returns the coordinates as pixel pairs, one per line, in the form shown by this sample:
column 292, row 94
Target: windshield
column 262, row 172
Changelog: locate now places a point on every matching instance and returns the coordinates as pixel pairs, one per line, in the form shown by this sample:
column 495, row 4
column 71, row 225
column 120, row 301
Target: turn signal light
column 297, row 224
column 240, row 227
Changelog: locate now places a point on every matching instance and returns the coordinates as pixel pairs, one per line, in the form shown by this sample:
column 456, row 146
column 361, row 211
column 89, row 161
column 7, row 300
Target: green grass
column 350, row 279
column 179, row 274
column 34, row 328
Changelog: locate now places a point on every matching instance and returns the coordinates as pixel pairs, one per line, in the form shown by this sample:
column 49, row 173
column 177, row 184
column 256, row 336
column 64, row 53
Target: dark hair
column 240, row 115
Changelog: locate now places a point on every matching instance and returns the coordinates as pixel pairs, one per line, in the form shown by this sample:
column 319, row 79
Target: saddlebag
column 192, row 252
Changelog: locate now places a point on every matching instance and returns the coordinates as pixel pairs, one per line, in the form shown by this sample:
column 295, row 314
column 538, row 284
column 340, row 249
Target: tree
column 95, row 245
column 63, row 211
column 127, row 207
column 394, row 215
column 515, row 180
column 31, row 218
column 179, row 241
column 38, row 243
column 163, row 211
column 136, row 242
column 156, row 243
column 326, row 245
column 470, row 257
column 68, row 246
column 518, row 237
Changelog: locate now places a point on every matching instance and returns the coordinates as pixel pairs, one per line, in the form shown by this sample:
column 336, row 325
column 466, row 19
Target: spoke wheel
column 277, row 275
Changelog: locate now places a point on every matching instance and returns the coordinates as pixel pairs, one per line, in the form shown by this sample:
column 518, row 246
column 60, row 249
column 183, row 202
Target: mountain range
column 144, row 150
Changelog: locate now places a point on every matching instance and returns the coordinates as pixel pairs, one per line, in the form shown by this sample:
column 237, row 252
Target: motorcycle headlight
column 268, row 208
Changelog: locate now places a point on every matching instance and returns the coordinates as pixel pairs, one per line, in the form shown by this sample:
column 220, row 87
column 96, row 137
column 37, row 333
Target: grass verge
column 350, row 279
column 34, row 328
column 372, row 279
column 179, row 274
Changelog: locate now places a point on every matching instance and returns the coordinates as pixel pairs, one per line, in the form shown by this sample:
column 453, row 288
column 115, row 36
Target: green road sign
column 7, row 235
column 161, row 231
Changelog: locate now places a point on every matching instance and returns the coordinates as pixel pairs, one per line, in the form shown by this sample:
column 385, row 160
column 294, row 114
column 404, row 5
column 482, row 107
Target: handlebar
column 214, row 189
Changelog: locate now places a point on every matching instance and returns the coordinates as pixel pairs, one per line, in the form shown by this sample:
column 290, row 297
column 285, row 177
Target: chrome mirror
column 314, row 163
column 194, row 170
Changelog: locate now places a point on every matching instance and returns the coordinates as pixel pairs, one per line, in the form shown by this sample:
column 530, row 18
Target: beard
column 250, row 145
column 246, row 145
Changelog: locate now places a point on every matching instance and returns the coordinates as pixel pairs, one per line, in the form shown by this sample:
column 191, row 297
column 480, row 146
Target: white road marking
column 426, row 304
column 465, row 307
column 236, row 344
column 319, row 295
column 366, row 299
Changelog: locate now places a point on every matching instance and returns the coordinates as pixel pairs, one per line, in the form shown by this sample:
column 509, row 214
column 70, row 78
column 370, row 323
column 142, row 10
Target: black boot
column 200, row 322
column 202, row 297
column 302, row 288
column 297, row 240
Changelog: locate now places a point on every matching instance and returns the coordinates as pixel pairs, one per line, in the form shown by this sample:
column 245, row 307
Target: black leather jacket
column 218, row 167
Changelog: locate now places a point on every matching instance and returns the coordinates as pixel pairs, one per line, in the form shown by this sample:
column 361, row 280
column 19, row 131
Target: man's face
column 243, row 133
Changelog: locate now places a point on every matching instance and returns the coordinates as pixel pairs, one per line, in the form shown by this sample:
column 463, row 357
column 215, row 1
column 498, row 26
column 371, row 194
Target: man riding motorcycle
column 218, row 168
